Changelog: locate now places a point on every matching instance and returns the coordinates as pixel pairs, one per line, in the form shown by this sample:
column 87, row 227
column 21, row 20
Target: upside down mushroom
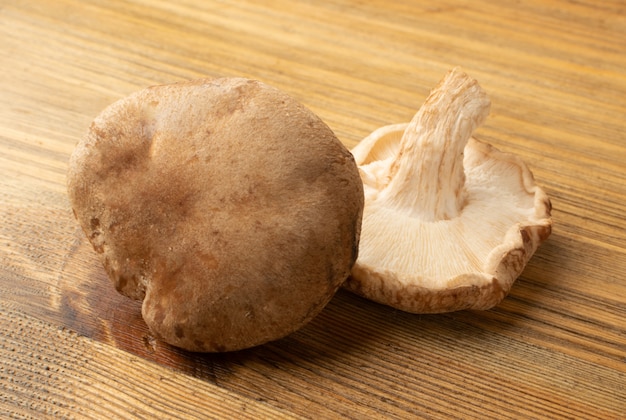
column 227, row 207
column 449, row 222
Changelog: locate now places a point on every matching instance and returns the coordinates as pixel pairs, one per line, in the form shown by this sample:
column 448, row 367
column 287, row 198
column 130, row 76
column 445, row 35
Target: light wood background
column 70, row 347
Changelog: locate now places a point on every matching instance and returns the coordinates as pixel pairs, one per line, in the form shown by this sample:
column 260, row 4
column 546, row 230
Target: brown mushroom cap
column 229, row 208
column 449, row 222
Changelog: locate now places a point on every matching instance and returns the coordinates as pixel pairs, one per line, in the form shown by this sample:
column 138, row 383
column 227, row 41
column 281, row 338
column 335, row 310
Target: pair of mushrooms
column 235, row 213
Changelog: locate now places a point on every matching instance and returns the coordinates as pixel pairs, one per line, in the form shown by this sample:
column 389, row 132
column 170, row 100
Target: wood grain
column 555, row 71
column 51, row 371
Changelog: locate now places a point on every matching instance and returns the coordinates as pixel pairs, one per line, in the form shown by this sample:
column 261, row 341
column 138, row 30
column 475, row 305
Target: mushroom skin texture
column 449, row 222
column 227, row 207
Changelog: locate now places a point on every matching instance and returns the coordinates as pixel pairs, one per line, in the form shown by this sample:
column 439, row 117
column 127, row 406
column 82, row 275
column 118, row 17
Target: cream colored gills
column 449, row 222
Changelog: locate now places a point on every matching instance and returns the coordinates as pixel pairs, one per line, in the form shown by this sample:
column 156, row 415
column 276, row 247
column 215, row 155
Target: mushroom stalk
column 427, row 175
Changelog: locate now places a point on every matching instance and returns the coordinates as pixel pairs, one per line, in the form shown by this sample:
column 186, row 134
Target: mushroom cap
column 465, row 262
column 229, row 208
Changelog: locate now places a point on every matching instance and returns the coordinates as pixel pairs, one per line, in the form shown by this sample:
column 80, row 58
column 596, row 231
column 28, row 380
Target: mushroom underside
column 466, row 262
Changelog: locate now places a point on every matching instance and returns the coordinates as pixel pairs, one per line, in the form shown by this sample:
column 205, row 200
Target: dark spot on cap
column 121, row 283
column 178, row 330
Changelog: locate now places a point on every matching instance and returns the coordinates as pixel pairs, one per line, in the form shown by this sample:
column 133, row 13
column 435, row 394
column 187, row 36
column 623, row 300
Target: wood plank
column 579, row 344
column 70, row 346
column 50, row 372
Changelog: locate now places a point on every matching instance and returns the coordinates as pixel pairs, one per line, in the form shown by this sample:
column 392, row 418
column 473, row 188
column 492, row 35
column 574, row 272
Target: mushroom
column 229, row 208
column 449, row 222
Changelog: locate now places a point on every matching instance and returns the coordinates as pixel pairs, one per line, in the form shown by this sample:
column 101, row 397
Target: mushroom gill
column 449, row 222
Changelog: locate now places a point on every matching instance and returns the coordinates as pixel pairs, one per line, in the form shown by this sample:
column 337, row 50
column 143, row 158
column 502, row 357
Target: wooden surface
column 70, row 347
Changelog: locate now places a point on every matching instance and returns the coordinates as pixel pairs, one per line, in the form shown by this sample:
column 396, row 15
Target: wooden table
column 70, row 347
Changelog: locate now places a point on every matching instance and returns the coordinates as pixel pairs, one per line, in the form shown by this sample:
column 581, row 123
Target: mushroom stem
column 427, row 176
